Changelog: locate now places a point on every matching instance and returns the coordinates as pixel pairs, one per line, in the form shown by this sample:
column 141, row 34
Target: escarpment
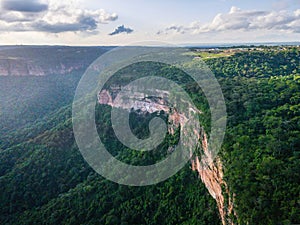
column 22, row 67
column 211, row 173
column 43, row 61
column 210, row 170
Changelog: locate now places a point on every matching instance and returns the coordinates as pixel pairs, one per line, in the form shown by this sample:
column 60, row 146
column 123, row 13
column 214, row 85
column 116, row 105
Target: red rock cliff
column 211, row 173
column 210, row 170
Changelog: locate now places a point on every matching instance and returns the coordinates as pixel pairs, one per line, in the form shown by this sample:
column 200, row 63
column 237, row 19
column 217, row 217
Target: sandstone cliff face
column 211, row 173
column 42, row 61
column 143, row 103
column 210, row 170
column 22, row 67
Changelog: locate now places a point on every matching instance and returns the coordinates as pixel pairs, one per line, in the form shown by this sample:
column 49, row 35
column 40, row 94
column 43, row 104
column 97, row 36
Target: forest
column 45, row 180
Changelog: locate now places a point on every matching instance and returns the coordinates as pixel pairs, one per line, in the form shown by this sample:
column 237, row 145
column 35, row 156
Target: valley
column 255, row 177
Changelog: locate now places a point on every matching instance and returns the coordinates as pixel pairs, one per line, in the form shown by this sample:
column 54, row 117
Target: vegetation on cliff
column 44, row 179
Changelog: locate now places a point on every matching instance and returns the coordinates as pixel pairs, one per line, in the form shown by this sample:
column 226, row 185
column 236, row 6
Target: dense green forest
column 19, row 96
column 44, row 179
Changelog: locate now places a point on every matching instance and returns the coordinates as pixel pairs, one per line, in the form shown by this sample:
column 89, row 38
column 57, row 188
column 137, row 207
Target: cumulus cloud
column 53, row 17
column 237, row 19
column 24, row 6
column 174, row 29
column 121, row 29
column 83, row 24
column 179, row 29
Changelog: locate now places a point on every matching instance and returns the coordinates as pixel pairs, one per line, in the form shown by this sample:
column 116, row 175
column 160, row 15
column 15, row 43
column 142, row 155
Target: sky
column 125, row 22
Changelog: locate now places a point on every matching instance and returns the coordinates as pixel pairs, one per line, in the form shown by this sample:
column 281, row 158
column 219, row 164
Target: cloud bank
column 240, row 20
column 24, row 6
column 121, row 29
column 50, row 16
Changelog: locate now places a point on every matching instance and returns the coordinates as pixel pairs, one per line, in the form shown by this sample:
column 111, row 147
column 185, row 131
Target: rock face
column 21, row 67
column 144, row 103
column 42, row 61
column 211, row 173
column 210, row 170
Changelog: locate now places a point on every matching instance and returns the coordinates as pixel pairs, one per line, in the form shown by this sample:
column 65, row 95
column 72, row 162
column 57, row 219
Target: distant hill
column 46, row 60
column 37, row 80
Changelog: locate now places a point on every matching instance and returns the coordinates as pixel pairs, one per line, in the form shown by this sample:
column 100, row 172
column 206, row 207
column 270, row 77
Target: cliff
column 211, row 173
column 42, row 61
column 210, row 170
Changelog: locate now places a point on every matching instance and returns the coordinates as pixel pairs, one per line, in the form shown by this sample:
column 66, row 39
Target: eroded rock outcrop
column 211, row 173
column 210, row 170
column 21, row 67
column 46, row 60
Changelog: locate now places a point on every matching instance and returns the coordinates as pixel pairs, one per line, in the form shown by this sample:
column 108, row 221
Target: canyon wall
column 22, row 67
column 211, row 173
column 46, row 60
column 210, row 170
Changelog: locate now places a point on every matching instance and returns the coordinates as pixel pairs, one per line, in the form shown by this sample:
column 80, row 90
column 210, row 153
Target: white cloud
column 241, row 20
column 180, row 29
column 51, row 17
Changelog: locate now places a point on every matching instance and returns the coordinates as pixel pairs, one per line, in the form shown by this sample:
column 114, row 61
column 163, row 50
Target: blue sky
column 115, row 22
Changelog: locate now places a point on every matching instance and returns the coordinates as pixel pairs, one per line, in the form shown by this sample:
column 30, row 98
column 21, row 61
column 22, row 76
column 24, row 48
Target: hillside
column 45, row 180
column 42, row 61
column 35, row 80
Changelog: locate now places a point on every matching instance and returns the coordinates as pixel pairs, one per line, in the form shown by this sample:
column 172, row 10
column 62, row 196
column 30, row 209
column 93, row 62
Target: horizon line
column 216, row 44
